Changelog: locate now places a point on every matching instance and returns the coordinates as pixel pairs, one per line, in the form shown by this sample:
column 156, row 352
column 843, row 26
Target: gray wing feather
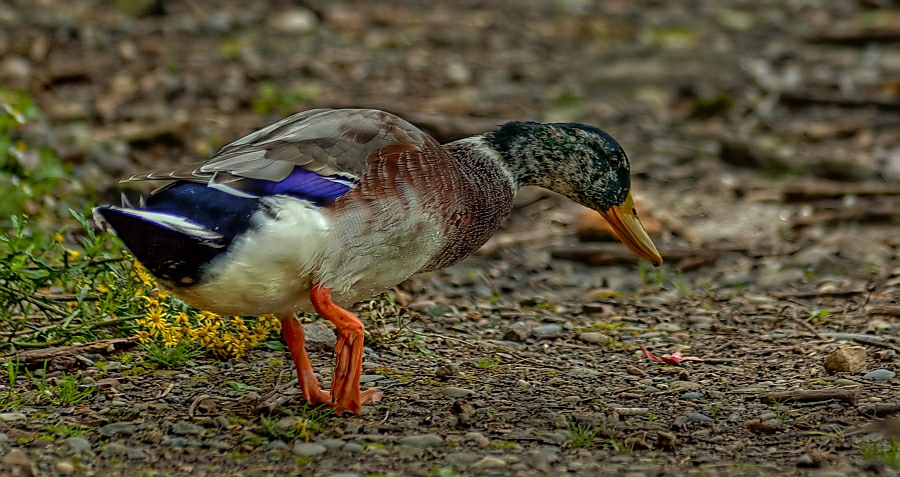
column 326, row 141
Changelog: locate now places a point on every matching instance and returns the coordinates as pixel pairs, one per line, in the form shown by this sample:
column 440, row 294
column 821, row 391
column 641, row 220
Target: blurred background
column 712, row 99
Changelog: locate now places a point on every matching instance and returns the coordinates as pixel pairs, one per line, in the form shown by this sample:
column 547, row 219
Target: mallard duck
column 332, row 206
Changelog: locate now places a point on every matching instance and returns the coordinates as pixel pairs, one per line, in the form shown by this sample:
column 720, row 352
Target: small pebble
column 698, row 417
column 221, row 445
column 12, row 416
column 421, row 441
column 77, row 445
column 461, row 459
column 118, row 428
column 276, row 445
column 880, row 375
column 487, row 463
column 655, row 300
column 546, row 331
column 64, row 467
column 352, row 448
column 690, row 396
column 593, row 337
column 582, row 372
column 183, row 428
column 308, row 449
column 113, row 450
column 452, row 392
column 174, row 442
column 806, row 461
column 370, row 378
column 331, row 444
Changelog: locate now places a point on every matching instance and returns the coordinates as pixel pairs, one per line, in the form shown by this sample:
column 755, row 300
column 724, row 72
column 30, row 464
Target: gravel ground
column 763, row 141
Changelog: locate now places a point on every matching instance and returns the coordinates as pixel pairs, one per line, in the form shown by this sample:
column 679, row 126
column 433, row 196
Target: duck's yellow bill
column 627, row 226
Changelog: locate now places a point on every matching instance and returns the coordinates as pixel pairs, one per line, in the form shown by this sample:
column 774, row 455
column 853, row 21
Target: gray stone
column 440, row 309
column 370, row 378
column 516, row 332
column 700, row 322
column 352, row 448
column 461, row 459
column 806, row 461
column 286, row 423
column 550, row 330
column 558, row 438
column 222, row 422
column 452, row 392
column 276, row 445
column 580, row 372
column 880, row 375
column 319, row 337
column 487, row 463
column 111, row 366
column 118, row 428
column 691, row 396
column 308, row 449
column 174, row 442
column 654, row 300
column 137, row 453
column 183, row 428
column 698, row 417
column 12, row 416
column 295, row 21
column 769, row 279
column 734, row 279
column 221, row 445
column 16, row 462
column 331, row 444
column 64, row 467
column 593, row 337
column 812, row 257
column 345, row 474
column 114, row 450
column 421, row 441
column 3, row 438
column 77, row 445
column 542, row 459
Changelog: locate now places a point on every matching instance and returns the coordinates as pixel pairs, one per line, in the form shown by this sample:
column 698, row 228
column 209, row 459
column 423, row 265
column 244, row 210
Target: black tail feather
column 169, row 254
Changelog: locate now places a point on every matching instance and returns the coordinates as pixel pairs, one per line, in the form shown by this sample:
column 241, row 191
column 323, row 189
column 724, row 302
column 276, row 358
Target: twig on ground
column 849, row 395
column 37, row 355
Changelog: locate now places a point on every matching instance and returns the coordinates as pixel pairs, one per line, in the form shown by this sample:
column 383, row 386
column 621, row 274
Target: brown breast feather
column 466, row 191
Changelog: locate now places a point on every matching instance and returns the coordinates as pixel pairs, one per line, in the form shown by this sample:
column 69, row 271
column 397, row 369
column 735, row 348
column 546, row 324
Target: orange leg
column 292, row 331
column 348, row 354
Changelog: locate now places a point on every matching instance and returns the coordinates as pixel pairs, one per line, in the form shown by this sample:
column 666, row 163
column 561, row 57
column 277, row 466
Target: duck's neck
column 537, row 154
column 568, row 158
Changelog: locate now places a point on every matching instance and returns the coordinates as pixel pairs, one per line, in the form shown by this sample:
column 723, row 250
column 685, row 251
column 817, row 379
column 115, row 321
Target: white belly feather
column 271, row 268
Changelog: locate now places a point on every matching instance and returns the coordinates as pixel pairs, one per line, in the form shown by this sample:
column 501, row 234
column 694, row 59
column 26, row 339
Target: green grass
column 11, row 398
column 889, row 453
column 171, row 357
column 389, row 324
column 64, row 429
column 308, row 423
column 65, row 390
column 488, row 363
column 582, row 434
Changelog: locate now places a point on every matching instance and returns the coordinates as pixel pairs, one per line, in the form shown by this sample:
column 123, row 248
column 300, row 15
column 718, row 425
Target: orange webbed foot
column 345, row 392
column 292, row 331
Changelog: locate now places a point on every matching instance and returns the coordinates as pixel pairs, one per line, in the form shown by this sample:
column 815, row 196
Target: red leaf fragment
column 673, row 359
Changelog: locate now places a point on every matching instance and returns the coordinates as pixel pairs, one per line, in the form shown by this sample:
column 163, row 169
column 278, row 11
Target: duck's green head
column 581, row 162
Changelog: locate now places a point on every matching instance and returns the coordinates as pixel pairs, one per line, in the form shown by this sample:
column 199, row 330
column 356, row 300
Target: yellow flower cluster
column 165, row 321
